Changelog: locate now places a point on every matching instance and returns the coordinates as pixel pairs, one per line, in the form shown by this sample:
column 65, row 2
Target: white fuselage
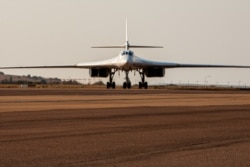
column 126, row 60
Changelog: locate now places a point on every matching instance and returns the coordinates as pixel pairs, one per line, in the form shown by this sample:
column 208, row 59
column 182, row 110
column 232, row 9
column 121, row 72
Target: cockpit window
column 130, row 53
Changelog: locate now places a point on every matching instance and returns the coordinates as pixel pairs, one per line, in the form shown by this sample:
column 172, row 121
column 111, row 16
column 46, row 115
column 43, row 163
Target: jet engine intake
column 154, row 72
column 99, row 72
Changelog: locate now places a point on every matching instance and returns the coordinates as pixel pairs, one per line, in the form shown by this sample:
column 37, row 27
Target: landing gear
column 142, row 84
column 127, row 83
column 111, row 84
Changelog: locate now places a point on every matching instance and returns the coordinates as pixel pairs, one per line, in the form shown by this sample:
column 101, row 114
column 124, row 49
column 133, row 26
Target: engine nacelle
column 99, row 72
column 154, row 72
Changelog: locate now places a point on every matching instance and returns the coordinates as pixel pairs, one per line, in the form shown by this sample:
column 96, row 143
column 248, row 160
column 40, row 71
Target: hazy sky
column 61, row 32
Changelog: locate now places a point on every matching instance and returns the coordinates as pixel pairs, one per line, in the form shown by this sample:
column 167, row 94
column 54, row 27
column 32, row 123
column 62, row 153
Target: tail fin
column 127, row 45
column 126, row 30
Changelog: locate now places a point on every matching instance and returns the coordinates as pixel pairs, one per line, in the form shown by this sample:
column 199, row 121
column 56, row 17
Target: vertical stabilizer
column 127, row 44
column 126, row 30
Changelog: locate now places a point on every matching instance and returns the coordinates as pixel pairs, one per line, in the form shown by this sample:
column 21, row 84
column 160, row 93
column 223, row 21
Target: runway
column 99, row 127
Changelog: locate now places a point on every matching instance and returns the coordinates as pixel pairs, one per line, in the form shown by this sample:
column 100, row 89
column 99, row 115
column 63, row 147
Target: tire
column 113, row 85
column 140, row 85
column 129, row 85
column 108, row 85
column 124, row 85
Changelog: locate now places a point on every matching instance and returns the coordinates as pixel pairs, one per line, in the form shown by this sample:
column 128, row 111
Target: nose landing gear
column 127, row 83
column 110, row 85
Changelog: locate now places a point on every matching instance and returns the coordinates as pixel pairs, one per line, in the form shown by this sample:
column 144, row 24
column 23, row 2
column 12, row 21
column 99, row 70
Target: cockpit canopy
column 127, row 52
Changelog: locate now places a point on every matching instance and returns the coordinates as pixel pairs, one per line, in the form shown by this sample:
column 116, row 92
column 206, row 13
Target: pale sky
column 61, row 32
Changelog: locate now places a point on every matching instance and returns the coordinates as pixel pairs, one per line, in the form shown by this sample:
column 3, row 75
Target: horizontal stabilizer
column 129, row 46
column 141, row 46
column 115, row 46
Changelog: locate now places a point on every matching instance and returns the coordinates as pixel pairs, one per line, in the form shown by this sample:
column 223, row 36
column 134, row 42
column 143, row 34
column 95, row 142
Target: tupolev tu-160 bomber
column 127, row 62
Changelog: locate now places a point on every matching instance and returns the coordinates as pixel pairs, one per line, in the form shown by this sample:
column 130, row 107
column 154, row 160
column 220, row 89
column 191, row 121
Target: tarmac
column 99, row 127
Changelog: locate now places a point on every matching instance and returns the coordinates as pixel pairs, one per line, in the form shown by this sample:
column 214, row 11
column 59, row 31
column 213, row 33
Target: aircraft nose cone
column 125, row 61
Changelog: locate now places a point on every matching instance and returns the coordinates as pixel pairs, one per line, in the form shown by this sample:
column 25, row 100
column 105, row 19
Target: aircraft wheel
column 140, row 85
column 113, row 85
column 145, row 85
column 108, row 85
column 124, row 85
column 129, row 85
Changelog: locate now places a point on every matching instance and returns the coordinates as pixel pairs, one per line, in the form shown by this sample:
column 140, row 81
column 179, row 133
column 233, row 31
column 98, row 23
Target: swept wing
column 137, row 62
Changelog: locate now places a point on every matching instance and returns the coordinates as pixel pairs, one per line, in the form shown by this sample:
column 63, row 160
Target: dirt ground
column 98, row 127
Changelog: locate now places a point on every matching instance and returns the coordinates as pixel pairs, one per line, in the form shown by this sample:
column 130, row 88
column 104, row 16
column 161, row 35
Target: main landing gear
column 111, row 84
column 127, row 83
column 142, row 84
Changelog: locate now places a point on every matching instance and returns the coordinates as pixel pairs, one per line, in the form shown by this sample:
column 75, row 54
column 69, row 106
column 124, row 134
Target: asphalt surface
column 98, row 127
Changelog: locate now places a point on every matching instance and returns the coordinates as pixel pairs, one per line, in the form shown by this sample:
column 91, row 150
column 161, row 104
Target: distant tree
column 43, row 81
column 21, row 82
column 5, row 81
column 71, row 82
column 1, row 73
column 11, row 80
